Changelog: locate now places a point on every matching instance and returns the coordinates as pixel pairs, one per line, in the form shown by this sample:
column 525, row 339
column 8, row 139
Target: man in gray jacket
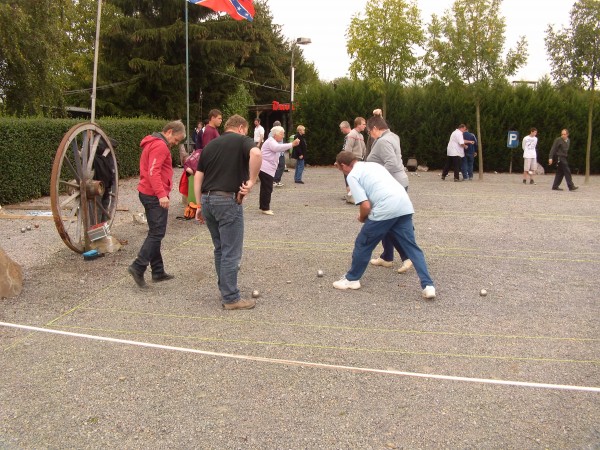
column 386, row 151
column 560, row 151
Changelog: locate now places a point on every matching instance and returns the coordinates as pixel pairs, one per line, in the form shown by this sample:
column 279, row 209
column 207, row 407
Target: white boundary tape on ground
column 306, row 363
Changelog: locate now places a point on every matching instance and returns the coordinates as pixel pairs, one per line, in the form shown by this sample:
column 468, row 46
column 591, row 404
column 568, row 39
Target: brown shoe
column 240, row 304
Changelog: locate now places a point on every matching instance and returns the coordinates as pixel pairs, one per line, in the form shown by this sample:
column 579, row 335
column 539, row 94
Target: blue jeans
column 280, row 169
column 401, row 230
column 224, row 219
column 299, row 169
column 150, row 254
column 467, row 166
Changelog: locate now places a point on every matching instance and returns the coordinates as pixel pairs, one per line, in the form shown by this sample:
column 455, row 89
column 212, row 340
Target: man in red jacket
column 156, row 179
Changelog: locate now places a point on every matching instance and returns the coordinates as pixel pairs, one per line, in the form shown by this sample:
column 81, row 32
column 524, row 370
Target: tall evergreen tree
column 143, row 54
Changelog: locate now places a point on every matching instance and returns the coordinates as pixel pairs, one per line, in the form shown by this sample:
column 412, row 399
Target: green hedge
column 425, row 116
column 28, row 147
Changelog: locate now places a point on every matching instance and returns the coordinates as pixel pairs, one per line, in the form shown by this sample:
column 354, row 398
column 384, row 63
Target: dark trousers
column 562, row 171
column 280, row 169
column 454, row 163
column 266, row 189
column 157, row 227
column 389, row 244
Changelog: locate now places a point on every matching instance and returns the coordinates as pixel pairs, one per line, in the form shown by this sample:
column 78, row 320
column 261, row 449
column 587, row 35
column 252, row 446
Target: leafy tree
column 382, row 44
column 238, row 102
column 575, row 57
column 33, row 43
column 466, row 46
column 79, row 63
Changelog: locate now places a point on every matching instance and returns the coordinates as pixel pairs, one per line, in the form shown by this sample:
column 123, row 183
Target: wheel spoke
column 69, row 183
column 77, row 159
column 99, row 205
column 70, row 166
column 69, row 200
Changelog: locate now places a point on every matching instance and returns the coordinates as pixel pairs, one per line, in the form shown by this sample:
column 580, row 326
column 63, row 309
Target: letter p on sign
column 513, row 139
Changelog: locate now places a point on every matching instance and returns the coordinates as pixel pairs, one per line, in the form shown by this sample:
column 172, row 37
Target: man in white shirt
column 259, row 133
column 530, row 156
column 455, row 152
column 384, row 208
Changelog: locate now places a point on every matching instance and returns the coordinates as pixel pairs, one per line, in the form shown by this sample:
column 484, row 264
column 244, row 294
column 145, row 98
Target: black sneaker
column 524, row 181
column 573, row 188
column 139, row 279
column 557, row 189
column 531, row 181
column 299, row 182
column 162, row 277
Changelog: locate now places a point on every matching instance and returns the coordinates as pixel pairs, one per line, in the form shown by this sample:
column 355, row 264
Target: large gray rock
column 11, row 276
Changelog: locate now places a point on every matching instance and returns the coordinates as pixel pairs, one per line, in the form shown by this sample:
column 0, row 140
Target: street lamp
column 299, row 41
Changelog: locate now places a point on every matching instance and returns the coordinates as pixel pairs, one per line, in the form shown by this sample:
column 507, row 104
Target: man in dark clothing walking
column 560, row 150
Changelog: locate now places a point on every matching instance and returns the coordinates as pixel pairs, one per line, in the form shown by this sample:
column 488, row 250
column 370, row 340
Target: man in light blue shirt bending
column 384, row 208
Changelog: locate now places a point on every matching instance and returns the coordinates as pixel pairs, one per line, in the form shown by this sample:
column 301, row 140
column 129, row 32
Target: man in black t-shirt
column 226, row 173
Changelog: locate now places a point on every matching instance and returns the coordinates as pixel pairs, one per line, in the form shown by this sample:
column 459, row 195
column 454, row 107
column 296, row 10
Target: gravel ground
column 534, row 250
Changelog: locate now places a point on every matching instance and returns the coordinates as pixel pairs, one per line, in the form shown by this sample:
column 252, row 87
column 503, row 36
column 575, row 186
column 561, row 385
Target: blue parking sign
column 513, row 139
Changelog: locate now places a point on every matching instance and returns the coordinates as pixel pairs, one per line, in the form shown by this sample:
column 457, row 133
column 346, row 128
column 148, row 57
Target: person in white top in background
column 455, row 152
column 530, row 156
column 259, row 133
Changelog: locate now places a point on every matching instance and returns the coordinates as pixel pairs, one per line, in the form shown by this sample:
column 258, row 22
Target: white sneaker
column 381, row 262
column 344, row 284
column 279, row 184
column 406, row 265
column 349, row 199
column 268, row 212
column 429, row 292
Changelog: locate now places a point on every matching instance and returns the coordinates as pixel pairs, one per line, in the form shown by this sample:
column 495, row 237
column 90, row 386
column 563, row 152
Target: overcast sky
column 325, row 22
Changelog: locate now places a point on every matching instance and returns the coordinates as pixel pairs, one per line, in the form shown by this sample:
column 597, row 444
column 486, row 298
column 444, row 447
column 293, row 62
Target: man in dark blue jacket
column 560, row 151
column 470, row 154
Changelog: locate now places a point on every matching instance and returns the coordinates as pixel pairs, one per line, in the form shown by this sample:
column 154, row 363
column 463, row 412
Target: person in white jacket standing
column 455, row 152
column 530, row 156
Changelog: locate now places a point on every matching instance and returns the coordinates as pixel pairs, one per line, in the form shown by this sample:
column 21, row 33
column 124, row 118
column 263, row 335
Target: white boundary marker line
column 306, row 363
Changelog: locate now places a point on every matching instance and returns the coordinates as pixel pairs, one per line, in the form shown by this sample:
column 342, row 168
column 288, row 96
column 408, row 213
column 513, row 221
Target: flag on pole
column 238, row 9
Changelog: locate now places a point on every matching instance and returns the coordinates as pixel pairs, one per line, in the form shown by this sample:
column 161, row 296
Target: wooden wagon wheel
column 84, row 184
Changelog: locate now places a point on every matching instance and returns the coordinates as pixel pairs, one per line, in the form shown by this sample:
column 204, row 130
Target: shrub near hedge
column 28, row 148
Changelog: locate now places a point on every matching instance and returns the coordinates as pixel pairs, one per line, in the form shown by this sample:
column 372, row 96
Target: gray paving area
column 313, row 367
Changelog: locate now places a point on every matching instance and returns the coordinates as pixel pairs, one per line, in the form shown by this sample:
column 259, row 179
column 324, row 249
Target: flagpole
column 187, row 77
column 96, row 52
